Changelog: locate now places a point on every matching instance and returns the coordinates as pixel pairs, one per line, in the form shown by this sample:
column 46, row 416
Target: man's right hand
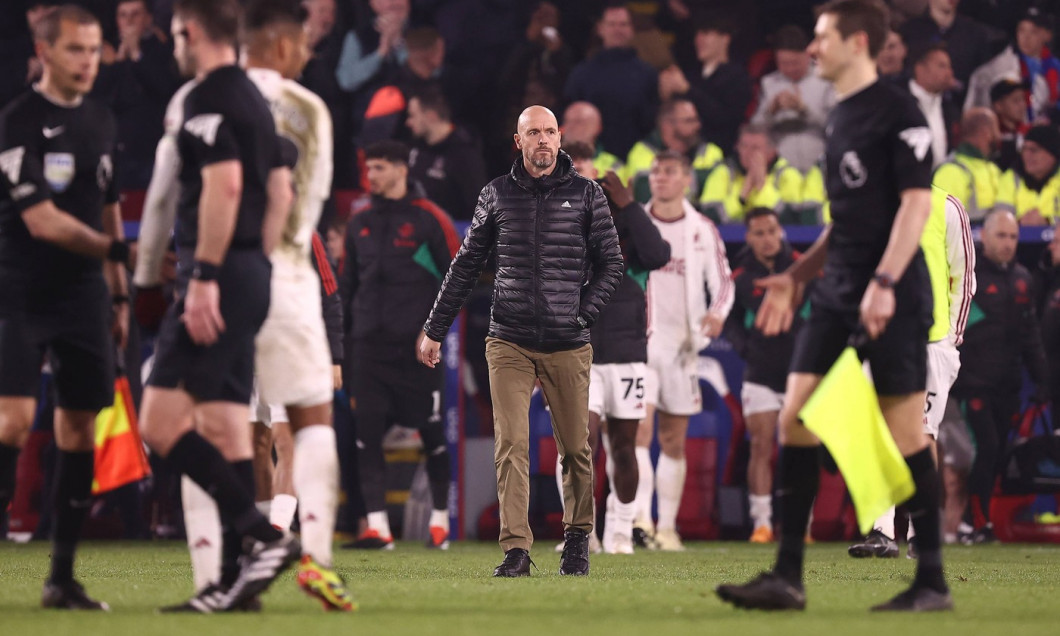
column 428, row 351
column 620, row 194
column 202, row 312
column 778, row 305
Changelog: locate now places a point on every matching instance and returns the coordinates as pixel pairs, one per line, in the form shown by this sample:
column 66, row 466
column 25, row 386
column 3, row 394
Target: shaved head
column 582, row 122
column 1000, row 236
column 977, row 119
column 538, row 140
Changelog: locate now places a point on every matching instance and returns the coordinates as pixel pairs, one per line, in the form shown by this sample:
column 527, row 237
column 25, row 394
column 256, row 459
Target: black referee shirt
column 62, row 153
column 226, row 118
column 878, row 145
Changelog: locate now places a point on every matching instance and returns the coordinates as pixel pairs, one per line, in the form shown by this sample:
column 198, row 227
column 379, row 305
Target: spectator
column 890, row 63
column 621, row 85
column 1008, row 99
column 537, row 68
column 582, row 123
column 1049, row 286
column 755, row 178
column 688, row 301
column 677, row 132
column 372, row 52
column 793, row 102
column 446, row 161
column 968, row 42
column 1028, row 60
column 1032, row 191
column 968, row 173
column 720, row 89
column 137, row 85
column 930, row 85
column 1002, row 337
column 19, row 64
column 325, row 42
column 396, row 252
column 767, row 357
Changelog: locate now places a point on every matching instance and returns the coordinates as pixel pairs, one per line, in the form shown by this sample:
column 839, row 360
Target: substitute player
column 59, row 219
column 950, row 257
column 233, row 184
column 875, row 281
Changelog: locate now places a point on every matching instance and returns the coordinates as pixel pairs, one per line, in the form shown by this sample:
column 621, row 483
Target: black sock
column 71, row 501
column 799, row 476
column 438, row 476
column 8, row 462
column 924, row 512
column 231, row 540
column 199, row 460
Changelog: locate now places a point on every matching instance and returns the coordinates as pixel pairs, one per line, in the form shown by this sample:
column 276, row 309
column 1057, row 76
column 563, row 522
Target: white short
column 267, row 414
column 673, row 382
column 617, row 391
column 292, row 359
column 943, row 364
column 758, row 398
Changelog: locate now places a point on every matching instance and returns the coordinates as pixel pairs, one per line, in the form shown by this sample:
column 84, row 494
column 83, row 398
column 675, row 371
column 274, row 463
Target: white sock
column 202, row 523
column 669, row 486
column 885, row 523
column 380, row 522
column 910, row 532
column 761, row 510
column 559, row 483
column 645, row 485
column 439, row 519
column 281, row 513
column 315, row 475
column 622, row 515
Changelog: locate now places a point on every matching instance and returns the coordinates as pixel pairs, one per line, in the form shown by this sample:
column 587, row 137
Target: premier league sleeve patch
column 59, row 170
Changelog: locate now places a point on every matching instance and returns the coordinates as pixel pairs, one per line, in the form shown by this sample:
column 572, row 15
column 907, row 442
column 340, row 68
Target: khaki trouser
column 564, row 379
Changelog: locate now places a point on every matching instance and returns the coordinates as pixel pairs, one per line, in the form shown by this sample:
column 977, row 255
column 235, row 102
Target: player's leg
column 643, row 526
column 284, row 503
column 512, row 377
column 762, row 428
column 20, row 367
column 16, row 418
column 421, row 408
column 261, row 440
column 564, row 377
column 374, row 402
column 670, row 477
column 622, row 434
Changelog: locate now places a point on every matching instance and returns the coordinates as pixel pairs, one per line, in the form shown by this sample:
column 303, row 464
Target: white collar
column 922, row 95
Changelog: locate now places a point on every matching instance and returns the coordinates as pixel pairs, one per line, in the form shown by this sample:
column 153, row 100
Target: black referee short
column 77, row 341
column 897, row 358
column 392, row 387
column 223, row 371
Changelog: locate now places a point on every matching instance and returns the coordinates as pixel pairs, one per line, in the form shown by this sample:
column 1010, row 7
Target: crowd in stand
column 732, row 91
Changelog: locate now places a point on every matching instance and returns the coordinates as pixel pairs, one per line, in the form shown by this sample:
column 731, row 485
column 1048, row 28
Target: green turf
column 998, row 589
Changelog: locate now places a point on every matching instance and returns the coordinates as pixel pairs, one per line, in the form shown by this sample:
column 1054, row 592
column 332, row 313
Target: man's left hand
column 877, row 308
column 620, row 194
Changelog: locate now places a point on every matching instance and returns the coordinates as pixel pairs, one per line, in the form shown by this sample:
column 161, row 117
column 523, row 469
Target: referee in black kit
column 233, row 181
column 875, row 281
column 59, row 219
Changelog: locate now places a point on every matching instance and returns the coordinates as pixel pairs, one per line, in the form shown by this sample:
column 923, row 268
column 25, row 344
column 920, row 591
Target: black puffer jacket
column 558, row 259
column 621, row 333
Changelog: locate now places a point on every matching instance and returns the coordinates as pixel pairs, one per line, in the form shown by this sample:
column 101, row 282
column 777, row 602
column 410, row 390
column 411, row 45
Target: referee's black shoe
column 516, row 563
column 69, row 595
column 918, row 599
column 767, row 591
column 260, row 568
column 877, row 544
column 575, row 557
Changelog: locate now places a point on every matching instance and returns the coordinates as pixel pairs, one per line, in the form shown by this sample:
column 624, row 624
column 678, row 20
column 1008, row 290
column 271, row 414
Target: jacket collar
column 562, row 174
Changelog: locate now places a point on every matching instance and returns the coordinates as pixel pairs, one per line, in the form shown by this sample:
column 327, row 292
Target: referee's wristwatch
column 205, row 272
column 884, row 280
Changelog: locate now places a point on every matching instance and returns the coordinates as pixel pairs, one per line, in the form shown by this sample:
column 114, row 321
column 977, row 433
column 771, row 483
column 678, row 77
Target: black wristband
column 118, row 252
column 884, row 280
column 120, row 299
column 205, row 271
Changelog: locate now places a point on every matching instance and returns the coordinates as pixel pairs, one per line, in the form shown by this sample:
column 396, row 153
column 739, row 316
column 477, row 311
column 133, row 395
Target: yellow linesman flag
column 845, row 414
column 120, row 457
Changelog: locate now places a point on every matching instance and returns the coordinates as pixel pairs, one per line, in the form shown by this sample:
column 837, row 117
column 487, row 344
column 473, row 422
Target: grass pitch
column 1011, row 589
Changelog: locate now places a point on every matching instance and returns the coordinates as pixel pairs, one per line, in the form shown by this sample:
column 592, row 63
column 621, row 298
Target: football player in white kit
column 680, row 324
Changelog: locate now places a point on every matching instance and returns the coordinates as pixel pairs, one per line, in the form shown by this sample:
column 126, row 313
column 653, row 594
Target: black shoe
column 516, row 563
column 911, row 551
column 260, row 568
column 877, row 544
column 917, row 599
column 767, row 591
column 575, row 558
column 210, row 599
column 984, row 535
column 69, row 595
